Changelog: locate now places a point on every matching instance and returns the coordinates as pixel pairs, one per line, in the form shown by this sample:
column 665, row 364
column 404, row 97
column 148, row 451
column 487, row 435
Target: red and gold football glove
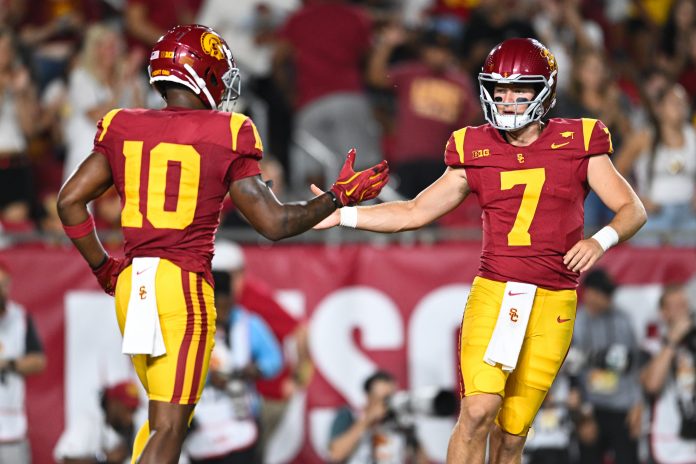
column 107, row 273
column 353, row 187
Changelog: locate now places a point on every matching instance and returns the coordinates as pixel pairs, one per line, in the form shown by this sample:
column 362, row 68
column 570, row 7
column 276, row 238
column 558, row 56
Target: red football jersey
column 172, row 169
column 532, row 197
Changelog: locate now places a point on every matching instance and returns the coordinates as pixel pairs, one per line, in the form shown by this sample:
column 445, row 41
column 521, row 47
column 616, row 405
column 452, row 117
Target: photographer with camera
column 374, row 435
column 669, row 379
column 611, row 395
column 21, row 355
column 226, row 425
column 103, row 435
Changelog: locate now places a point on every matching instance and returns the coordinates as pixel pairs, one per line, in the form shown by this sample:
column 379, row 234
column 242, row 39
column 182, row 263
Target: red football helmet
column 197, row 57
column 518, row 61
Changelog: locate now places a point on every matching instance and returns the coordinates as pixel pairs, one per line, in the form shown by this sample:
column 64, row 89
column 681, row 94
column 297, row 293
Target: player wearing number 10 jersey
column 531, row 179
column 172, row 169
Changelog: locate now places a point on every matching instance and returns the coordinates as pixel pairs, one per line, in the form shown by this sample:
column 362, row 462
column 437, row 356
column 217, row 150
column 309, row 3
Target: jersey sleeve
column 596, row 138
column 247, row 148
column 245, row 137
column 454, row 150
column 103, row 136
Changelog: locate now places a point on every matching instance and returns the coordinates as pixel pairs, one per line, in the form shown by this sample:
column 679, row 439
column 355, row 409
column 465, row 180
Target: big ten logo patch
column 480, row 153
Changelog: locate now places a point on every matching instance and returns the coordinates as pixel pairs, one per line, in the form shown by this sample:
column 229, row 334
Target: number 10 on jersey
column 161, row 157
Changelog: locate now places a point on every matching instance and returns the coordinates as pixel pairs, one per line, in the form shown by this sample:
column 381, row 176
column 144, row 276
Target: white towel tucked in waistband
column 143, row 334
column 508, row 335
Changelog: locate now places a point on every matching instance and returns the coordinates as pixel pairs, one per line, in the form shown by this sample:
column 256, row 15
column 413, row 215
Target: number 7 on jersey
column 533, row 181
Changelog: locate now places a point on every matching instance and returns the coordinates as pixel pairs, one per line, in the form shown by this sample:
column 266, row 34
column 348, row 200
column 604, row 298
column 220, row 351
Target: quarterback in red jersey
column 531, row 179
column 172, row 169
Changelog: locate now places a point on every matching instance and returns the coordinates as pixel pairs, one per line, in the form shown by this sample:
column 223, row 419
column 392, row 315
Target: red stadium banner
column 366, row 307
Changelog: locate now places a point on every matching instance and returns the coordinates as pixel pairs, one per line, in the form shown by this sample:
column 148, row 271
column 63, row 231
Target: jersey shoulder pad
column 245, row 137
column 107, row 131
column 105, row 124
column 463, row 146
column 590, row 136
column 596, row 137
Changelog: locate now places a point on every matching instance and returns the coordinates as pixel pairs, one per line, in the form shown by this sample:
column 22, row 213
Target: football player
column 172, row 168
column 531, row 178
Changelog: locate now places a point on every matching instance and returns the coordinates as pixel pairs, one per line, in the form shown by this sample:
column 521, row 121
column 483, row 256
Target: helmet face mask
column 233, row 89
column 524, row 62
column 198, row 58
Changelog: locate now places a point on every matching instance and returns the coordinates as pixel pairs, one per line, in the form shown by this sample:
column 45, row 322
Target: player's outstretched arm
column 275, row 220
column 619, row 197
column 441, row 197
column 91, row 179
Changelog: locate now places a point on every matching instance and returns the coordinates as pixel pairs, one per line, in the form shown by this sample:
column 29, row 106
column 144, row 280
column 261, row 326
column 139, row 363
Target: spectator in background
column 664, row 161
column 103, row 78
column 147, row 20
column 604, row 335
column 490, row 23
column 104, row 435
column 21, row 355
column 52, row 30
column 18, row 112
column 372, row 435
column 251, row 25
column 669, row 380
column 257, row 297
column 323, row 46
column 593, row 93
column 674, row 50
column 226, row 423
column 433, row 98
column 562, row 27
column 687, row 75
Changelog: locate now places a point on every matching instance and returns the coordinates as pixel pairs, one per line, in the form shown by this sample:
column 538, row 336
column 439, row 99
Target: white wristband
column 607, row 237
column 349, row 216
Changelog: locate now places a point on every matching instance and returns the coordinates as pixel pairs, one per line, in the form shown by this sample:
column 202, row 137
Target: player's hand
column 107, row 273
column 583, row 255
column 353, row 187
column 332, row 220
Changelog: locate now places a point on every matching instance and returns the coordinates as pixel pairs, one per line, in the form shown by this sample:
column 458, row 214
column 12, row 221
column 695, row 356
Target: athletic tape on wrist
column 80, row 230
column 349, row 216
column 607, row 237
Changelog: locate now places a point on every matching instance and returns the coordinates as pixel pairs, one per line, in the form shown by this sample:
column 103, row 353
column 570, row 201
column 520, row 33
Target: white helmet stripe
column 201, row 85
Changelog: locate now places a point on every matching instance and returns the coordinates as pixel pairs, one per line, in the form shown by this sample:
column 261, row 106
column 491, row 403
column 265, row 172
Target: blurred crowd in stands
column 393, row 78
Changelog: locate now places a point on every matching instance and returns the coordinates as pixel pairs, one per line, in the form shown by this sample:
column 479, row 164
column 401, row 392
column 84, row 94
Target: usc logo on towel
column 513, row 314
column 142, row 292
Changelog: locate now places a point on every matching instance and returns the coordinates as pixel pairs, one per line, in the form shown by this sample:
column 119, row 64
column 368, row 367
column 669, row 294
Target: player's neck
column 524, row 136
column 180, row 98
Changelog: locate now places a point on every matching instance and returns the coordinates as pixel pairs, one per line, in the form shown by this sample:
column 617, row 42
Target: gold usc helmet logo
column 549, row 58
column 212, row 45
